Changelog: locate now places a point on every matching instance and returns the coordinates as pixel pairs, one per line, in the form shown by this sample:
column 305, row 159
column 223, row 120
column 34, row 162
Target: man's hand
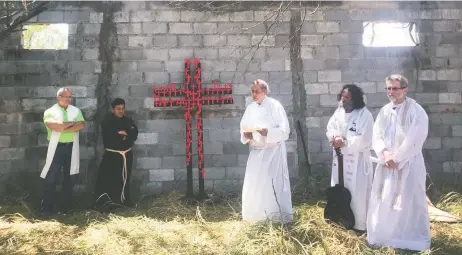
column 263, row 132
column 388, row 158
column 338, row 142
column 248, row 135
column 73, row 126
column 122, row 132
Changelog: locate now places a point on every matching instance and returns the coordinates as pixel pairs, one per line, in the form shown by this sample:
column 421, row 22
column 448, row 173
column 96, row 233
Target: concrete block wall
column 334, row 55
column 154, row 40
column 148, row 42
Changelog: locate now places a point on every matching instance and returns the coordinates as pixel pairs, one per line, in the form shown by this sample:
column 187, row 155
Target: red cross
column 192, row 99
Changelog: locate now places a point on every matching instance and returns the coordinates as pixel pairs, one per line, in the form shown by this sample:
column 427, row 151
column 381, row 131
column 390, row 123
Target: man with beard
column 265, row 127
column 350, row 128
column 113, row 183
column 398, row 215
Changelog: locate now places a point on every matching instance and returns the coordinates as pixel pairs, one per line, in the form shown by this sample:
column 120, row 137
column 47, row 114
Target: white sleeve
column 281, row 132
column 378, row 144
column 415, row 137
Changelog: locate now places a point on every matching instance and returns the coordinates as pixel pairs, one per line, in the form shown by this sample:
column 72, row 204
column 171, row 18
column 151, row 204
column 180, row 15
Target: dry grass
column 166, row 225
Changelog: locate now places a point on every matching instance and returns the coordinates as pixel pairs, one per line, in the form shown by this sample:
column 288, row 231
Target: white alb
column 266, row 193
column 398, row 211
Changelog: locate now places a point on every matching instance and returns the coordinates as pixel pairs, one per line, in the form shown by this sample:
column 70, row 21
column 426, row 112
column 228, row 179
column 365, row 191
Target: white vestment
column 72, row 112
column 356, row 127
column 398, row 212
column 266, row 193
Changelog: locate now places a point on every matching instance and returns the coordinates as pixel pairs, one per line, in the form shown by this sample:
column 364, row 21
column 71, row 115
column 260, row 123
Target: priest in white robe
column 266, row 193
column 350, row 128
column 398, row 212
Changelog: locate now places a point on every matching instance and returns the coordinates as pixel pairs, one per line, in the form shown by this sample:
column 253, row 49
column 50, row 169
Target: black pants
column 61, row 160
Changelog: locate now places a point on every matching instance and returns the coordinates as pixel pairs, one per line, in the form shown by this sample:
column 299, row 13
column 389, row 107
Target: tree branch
column 27, row 15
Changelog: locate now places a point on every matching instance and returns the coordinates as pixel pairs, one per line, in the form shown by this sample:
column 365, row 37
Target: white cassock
column 357, row 165
column 266, row 193
column 398, row 215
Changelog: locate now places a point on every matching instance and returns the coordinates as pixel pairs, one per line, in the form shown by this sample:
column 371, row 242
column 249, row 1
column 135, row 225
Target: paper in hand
column 251, row 130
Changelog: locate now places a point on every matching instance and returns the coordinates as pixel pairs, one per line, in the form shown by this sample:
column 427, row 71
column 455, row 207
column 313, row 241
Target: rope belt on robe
column 124, row 170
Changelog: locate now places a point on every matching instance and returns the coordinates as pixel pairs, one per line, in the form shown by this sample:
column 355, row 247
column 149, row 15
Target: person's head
column 64, row 97
column 259, row 90
column 351, row 97
column 396, row 86
column 118, row 107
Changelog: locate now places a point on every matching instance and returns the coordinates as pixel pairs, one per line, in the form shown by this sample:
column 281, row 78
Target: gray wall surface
column 123, row 49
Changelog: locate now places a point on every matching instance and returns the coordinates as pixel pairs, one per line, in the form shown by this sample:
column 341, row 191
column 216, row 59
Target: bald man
column 63, row 123
column 265, row 127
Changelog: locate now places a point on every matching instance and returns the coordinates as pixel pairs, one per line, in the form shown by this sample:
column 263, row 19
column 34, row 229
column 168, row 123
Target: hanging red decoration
column 192, row 100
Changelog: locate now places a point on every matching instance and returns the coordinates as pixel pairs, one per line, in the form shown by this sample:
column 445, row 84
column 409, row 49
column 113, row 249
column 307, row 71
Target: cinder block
column 452, row 167
column 91, row 29
column 448, row 75
column 273, row 65
column 214, row 40
column 121, row 17
column 426, row 98
column 180, row 54
column 227, row 160
column 180, row 28
column 140, row 41
column 12, row 153
column 154, row 28
column 327, row 52
column 309, row 40
column 193, row 16
column 447, row 50
column 337, row 39
column 51, row 16
column 96, row 17
column 34, row 104
column 130, row 28
column 5, row 141
column 205, row 28
column 241, row 16
column 148, row 163
column 263, row 40
column 317, row 88
column 327, row 27
column 306, row 53
column 239, row 40
column 147, row 138
column 432, row 143
column 206, row 53
column 175, row 162
column 235, row 173
column 142, row 16
column 329, row 75
column 167, row 16
column 427, row 75
column 161, row 175
column 165, row 41
column 450, row 98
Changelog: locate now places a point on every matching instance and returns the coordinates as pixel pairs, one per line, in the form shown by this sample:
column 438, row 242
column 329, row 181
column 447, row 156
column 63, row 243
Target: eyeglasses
column 393, row 89
column 255, row 91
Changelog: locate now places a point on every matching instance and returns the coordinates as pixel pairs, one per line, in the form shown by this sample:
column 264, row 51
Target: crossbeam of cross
column 193, row 97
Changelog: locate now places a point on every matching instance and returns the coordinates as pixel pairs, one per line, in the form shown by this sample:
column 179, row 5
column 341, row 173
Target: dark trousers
column 61, row 161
